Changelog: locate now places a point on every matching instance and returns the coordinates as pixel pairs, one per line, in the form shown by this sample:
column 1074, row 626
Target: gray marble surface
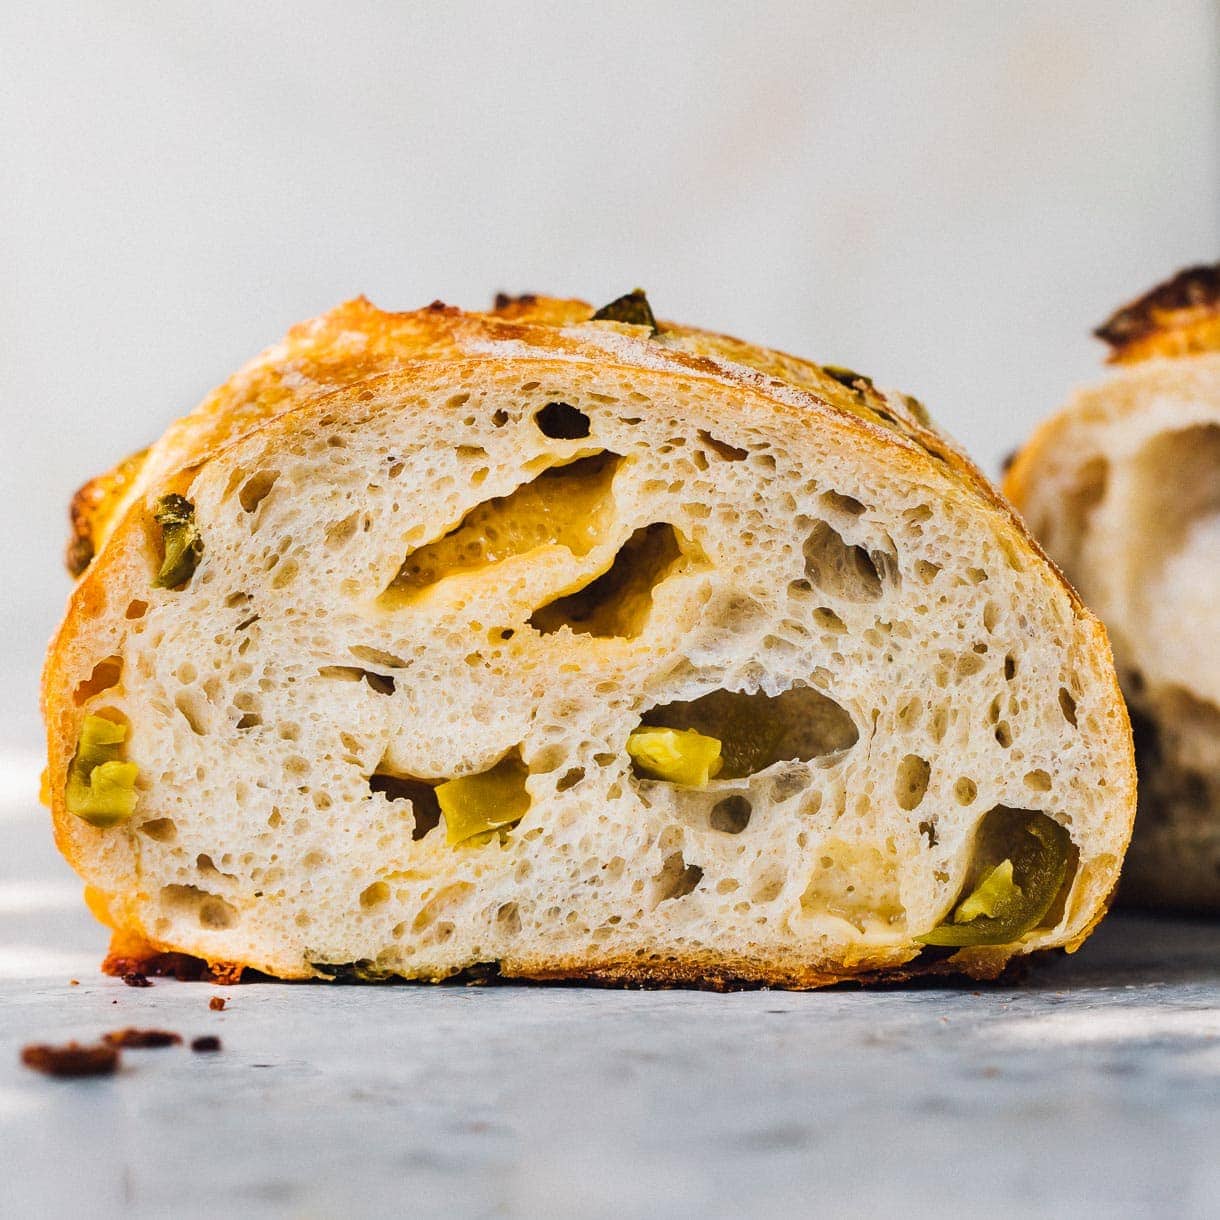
column 1091, row 1088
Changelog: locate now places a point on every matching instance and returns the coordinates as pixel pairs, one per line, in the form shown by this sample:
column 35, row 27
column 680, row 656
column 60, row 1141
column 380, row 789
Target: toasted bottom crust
column 132, row 955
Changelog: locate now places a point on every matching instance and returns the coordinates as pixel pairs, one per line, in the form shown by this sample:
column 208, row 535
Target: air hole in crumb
column 256, row 489
column 676, row 878
column 499, row 418
column 840, row 503
column 768, row 887
column 758, row 730
column 374, row 895
column 569, row 779
column 566, row 505
column 191, row 707
column 161, row 830
column 508, row 918
column 383, row 684
column 1067, row 705
column 1038, row 781
column 731, row 815
column 722, row 449
column 1003, row 734
column 210, row 910
column 420, row 793
column 106, row 673
column 965, row 791
column 828, row 620
column 249, row 720
column 849, row 572
column 618, row 602
column 342, row 531
column 136, row 609
column 562, row 422
column 911, row 784
column 1010, row 667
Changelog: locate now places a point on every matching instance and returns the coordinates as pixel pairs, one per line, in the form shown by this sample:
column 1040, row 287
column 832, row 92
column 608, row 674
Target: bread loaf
column 1123, row 488
column 574, row 645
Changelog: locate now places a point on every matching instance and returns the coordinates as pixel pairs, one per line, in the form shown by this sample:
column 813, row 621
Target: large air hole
column 911, row 782
column 617, row 602
column 562, row 422
column 566, row 506
column 731, row 815
column 383, row 684
column 844, row 571
column 420, row 793
column 211, row 911
column 256, row 489
column 758, row 730
column 676, row 878
column 1043, row 862
column 722, row 449
column 107, row 673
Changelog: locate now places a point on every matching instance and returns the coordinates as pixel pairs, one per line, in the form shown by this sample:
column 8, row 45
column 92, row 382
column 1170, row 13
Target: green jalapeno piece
column 632, row 308
column 1021, row 863
column 475, row 805
column 180, row 535
column 679, row 756
column 101, row 788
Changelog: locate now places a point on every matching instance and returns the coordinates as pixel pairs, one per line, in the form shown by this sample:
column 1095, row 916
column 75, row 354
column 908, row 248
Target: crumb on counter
column 73, row 1059
column 141, row 1039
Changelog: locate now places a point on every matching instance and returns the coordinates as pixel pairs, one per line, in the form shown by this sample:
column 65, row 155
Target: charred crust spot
column 208, row 1042
column 1190, row 297
column 180, row 966
column 438, row 306
column 141, row 1039
column 78, row 554
column 848, row 377
column 72, row 1059
column 504, row 301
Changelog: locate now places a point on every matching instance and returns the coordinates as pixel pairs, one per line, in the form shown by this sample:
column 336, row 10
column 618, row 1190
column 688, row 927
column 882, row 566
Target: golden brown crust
column 92, row 509
column 357, row 341
column 1178, row 317
column 326, row 365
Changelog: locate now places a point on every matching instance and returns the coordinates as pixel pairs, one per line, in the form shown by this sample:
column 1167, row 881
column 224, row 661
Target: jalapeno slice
column 101, row 788
column 679, row 756
column 1021, row 861
column 180, row 536
column 475, row 805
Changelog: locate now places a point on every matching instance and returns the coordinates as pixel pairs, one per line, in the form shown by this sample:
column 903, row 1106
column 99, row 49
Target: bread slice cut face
column 570, row 647
column 1123, row 487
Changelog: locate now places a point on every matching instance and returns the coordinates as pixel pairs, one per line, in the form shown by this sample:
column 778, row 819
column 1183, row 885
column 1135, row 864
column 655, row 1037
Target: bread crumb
column 141, row 1038
column 72, row 1059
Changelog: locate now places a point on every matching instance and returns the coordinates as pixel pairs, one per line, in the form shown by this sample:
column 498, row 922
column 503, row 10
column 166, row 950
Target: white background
column 948, row 196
